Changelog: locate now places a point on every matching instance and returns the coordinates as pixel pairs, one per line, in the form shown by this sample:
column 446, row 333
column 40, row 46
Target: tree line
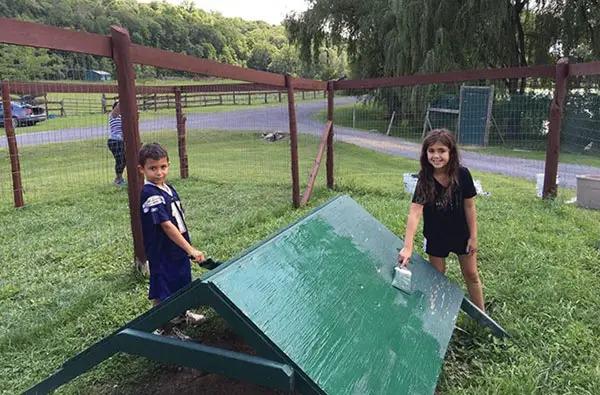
column 372, row 38
column 183, row 29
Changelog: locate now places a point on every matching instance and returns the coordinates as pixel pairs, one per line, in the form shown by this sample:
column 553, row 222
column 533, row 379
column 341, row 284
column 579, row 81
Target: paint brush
column 208, row 263
column 402, row 279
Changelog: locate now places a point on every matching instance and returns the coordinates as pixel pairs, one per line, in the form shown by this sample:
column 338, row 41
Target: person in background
column 116, row 145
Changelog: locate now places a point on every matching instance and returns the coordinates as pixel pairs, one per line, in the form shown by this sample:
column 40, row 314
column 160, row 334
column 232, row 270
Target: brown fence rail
column 151, row 97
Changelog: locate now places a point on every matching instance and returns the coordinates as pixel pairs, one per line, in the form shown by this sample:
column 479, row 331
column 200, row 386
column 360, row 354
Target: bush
column 521, row 120
column 581, row 123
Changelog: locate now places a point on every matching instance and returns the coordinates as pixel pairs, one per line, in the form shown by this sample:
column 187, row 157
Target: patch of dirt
column 175, row 380
column 194, row 382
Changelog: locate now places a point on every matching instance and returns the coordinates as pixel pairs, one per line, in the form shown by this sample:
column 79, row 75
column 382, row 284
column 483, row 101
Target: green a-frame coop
column 315, row 302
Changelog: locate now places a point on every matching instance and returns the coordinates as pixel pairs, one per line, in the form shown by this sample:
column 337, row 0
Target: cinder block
column 588, row 191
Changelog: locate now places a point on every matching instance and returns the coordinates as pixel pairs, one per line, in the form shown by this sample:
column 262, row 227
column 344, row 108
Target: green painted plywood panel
column 321, row 291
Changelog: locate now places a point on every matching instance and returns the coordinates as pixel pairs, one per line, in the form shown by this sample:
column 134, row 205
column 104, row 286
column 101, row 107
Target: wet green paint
column 321, row 291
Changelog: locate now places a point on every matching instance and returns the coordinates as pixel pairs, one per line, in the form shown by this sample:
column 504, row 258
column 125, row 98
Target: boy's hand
column 197, row 256
column 404, row 256
column 471, row 246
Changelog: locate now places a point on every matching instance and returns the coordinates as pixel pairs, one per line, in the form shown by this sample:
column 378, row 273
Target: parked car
column 24, row 114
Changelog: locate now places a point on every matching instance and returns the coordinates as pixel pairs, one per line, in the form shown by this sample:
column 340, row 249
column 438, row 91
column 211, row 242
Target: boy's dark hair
column 152, row 151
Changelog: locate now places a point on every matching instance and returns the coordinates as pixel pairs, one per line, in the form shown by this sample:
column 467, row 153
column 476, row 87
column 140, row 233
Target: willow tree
column 356, row 25
column 404, row 37
column 579, row 31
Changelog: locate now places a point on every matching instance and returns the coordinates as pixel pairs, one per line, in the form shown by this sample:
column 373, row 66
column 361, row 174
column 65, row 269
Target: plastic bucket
column 478, row 187
column 588, row 191
column 539, row 177
column 410, row 182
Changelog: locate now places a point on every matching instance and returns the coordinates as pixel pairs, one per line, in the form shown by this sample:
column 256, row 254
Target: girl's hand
column 471, row 246
column 404, row 256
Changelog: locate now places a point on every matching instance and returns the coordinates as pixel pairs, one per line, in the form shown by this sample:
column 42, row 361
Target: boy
column 166, row 238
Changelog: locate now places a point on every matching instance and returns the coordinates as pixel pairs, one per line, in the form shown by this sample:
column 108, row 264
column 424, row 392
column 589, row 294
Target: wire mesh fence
column 495, row 117
column 68, row 145
column 234, row 131
column 581, row 122
column 227, row 123
column 486, row 115
column 60, row 149
column 6, row 186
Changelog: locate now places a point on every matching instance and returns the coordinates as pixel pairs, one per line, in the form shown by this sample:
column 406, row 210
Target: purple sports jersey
column 169, row 264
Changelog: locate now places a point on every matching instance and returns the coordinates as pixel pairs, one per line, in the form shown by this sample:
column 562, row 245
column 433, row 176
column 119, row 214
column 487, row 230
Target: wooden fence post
column 556, row 114
column 329, row 165
column 13, row 150
column 121, row 44
column 293, row 141
column 183, row 159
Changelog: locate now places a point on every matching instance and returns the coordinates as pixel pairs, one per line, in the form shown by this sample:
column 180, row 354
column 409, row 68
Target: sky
column 271, row 11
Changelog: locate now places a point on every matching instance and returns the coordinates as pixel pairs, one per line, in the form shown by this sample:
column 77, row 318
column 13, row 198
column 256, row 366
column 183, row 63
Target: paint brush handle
column 208, row 263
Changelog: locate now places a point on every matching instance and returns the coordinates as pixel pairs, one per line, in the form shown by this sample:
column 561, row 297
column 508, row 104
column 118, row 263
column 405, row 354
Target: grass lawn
column 66, row 280
column 373, row 119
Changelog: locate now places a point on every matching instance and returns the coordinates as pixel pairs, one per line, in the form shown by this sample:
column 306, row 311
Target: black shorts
column 441, row 248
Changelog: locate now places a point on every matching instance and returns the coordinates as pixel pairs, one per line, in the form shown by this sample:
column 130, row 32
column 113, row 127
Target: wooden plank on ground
column 317, row 164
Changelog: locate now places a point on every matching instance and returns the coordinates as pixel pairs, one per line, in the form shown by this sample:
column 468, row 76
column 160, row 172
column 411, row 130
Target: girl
column 444, row 196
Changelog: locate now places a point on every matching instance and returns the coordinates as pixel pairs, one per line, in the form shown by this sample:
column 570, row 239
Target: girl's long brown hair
column 425, row 191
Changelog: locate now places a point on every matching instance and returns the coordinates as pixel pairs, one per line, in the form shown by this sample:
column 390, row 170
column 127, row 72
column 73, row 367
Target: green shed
column 97, row 75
